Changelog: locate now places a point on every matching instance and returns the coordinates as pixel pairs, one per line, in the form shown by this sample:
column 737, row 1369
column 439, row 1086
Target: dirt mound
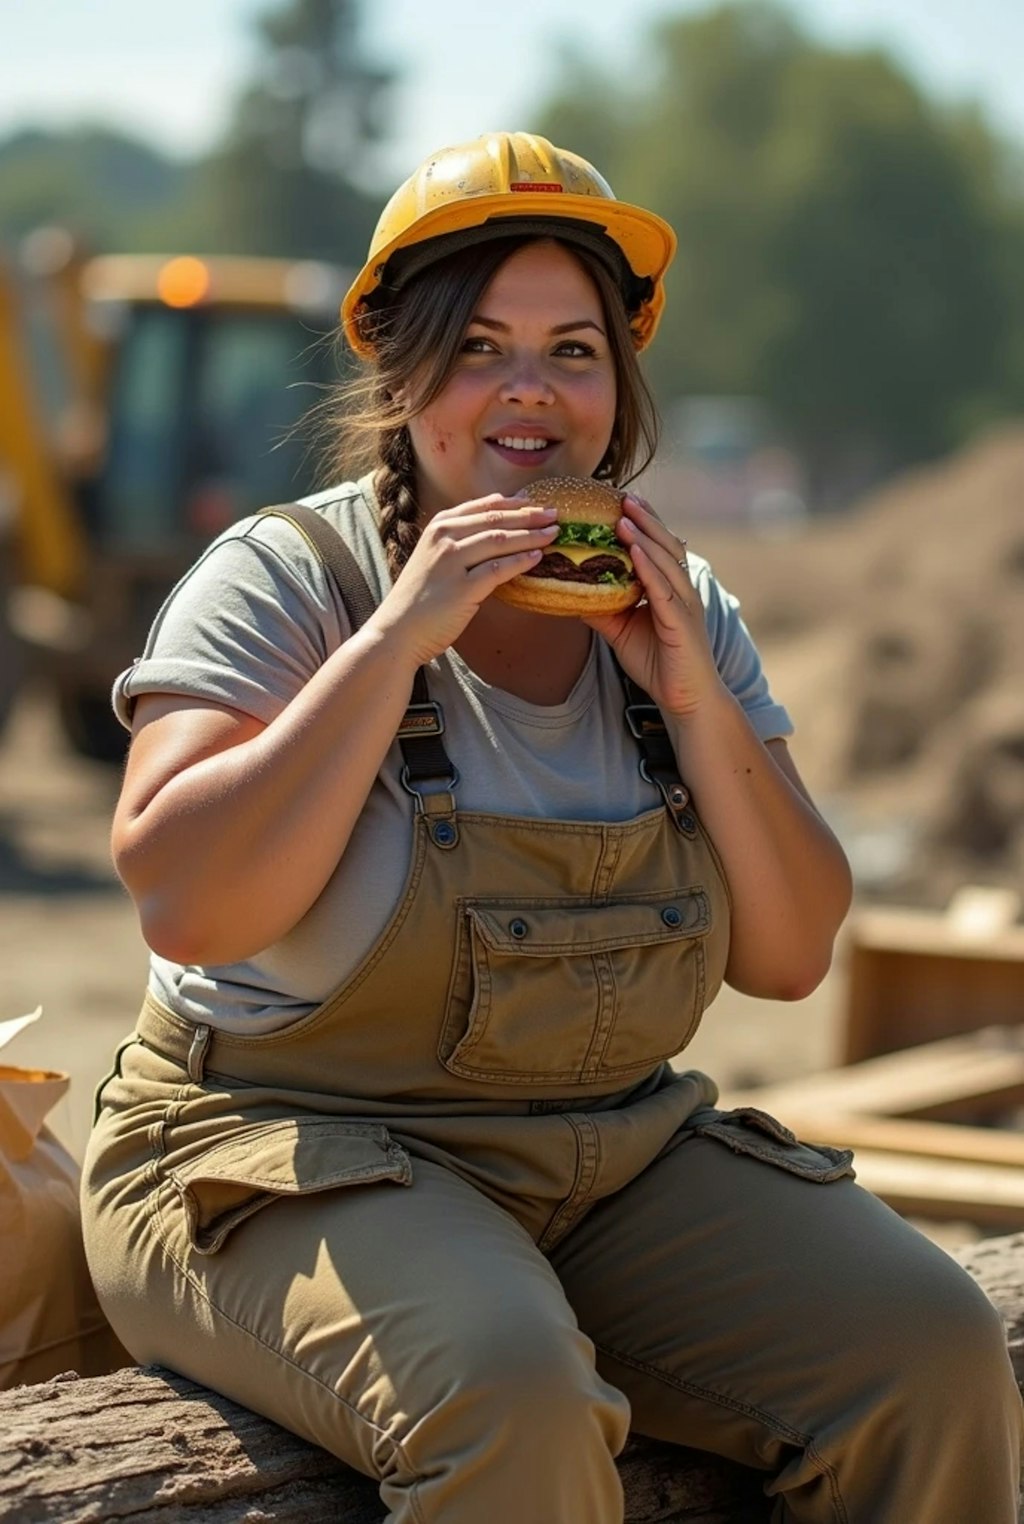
column 895, row 633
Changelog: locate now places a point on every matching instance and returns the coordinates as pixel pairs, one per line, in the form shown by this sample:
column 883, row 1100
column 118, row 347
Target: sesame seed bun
column 577, row 500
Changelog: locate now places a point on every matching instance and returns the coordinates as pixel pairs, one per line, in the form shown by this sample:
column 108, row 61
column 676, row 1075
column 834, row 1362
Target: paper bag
column 50, row 1320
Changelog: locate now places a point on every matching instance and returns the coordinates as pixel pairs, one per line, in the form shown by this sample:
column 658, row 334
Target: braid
column 396, row 491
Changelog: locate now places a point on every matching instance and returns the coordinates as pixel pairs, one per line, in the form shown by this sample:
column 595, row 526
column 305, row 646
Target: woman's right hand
column 462, row 555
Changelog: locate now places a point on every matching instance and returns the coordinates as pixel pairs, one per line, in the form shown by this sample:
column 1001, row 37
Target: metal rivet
column 518, row 929
column 687, row 821
column 672, row 915
column 444, row 833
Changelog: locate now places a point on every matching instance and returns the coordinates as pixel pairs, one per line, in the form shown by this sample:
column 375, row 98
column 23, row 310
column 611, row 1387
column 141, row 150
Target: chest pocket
column 571, row 993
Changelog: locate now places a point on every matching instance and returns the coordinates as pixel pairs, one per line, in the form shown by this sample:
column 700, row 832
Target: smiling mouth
column 522, row 446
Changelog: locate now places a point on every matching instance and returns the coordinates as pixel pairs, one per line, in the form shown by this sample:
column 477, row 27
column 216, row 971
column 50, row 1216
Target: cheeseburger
column 585, row 570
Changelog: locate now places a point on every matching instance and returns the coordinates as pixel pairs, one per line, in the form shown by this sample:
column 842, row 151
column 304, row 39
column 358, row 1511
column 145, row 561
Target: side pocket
column 760, row 1136
column 228, row 1182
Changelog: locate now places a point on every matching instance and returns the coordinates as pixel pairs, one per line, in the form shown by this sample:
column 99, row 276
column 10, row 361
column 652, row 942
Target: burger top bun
column 577, row 500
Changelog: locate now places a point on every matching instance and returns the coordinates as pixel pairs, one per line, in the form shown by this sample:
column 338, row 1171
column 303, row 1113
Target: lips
column 522, row 449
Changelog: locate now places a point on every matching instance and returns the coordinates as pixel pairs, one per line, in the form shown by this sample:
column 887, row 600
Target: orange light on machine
column 183, row 282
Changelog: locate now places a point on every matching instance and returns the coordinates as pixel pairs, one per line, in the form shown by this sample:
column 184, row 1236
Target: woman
column 395, row 1155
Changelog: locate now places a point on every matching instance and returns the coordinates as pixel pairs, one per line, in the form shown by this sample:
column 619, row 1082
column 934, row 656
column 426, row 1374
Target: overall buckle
column 644, row 720
column 425, row 719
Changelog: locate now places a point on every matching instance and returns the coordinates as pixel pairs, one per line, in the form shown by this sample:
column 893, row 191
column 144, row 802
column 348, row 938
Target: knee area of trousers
column 954, row 1346
column 539, row 1378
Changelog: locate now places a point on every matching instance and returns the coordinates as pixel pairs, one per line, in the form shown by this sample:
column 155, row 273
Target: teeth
column 524, row 444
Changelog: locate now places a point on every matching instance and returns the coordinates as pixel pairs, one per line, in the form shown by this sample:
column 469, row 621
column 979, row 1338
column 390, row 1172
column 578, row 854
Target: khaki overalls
column 463, row 1225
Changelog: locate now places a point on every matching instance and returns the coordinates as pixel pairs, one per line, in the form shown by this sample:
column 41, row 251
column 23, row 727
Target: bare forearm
column 787, row 874
column 228, row 854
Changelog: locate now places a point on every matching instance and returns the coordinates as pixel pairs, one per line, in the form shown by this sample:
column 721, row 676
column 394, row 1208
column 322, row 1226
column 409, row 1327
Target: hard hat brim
column 646, row 240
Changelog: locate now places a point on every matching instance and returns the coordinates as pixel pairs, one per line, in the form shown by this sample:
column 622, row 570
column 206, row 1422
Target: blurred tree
column 289, row 178
column 98, row 182
column 286, row 180
column 842, row 254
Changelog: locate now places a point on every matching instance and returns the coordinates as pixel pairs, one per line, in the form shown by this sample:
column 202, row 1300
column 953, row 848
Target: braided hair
column 395, row 481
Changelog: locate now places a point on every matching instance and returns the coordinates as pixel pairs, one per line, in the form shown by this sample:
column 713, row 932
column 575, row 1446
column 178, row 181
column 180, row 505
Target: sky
column 168, row 73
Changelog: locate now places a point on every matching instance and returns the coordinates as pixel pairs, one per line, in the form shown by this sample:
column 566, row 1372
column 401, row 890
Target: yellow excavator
column 145, row 403
column 42, row 544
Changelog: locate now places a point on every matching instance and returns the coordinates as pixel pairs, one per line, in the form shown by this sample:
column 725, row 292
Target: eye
column 575, row 349
column 475, row 344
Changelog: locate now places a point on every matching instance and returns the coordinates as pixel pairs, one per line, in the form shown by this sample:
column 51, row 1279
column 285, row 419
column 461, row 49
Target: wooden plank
column 933, row 932
column 914, row 976
column 983, row 1069
column 989, row 1195
column 897, row 1135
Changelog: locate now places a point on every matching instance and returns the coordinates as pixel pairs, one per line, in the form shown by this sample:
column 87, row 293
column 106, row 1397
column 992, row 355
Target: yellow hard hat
column 503, row 184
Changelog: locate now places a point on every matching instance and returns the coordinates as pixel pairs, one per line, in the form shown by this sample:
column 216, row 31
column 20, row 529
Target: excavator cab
column 211, row 367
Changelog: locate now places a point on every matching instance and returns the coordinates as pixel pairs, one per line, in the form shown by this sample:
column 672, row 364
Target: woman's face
column 533, row 390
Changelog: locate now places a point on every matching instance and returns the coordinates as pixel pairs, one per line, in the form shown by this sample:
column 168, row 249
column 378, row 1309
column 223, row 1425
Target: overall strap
column 658, row 763
column 423, row 722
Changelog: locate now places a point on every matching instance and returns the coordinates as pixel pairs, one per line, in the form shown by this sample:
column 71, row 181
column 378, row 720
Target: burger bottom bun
column 577, row 600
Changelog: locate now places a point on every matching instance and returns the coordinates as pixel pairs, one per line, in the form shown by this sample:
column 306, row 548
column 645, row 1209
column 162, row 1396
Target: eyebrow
column 571, row 327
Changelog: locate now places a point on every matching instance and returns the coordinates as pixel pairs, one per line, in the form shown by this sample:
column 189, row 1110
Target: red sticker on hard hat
column 531, row 185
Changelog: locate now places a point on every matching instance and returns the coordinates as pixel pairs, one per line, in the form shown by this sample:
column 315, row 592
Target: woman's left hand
column 662, row 644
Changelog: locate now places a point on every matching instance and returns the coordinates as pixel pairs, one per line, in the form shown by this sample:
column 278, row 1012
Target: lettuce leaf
column 600, row 536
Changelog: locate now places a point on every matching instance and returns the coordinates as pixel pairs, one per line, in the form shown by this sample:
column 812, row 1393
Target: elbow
column 788, row 980
column 175, row 926
column 194, row 937
column 171, row 936
column 802, row 982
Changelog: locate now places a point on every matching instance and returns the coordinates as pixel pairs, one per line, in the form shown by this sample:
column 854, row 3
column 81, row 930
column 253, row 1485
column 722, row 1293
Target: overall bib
column 463, row 1224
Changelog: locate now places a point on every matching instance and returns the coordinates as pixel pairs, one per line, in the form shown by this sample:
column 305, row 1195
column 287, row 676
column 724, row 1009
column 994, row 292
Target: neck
column 534, row 656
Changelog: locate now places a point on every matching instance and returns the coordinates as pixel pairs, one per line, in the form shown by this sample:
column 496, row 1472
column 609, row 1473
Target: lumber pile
column 924, row 1123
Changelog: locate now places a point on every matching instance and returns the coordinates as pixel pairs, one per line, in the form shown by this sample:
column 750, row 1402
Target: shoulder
column 350, row 509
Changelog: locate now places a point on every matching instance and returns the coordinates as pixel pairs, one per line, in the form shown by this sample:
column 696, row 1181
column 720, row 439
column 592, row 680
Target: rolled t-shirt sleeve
column 736, row 656
column 246, row 627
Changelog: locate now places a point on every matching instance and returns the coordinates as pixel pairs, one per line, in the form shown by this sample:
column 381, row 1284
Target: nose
column 526, row 383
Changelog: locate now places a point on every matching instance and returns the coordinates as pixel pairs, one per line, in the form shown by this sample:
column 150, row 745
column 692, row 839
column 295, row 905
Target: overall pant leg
column 416, row 1332
column 805, row 1329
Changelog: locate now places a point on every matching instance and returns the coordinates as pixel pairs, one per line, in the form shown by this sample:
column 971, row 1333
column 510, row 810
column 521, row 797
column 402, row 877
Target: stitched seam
column 833, row 1482
column 552, row 1221
column 776, row 1425
column 588, row 1160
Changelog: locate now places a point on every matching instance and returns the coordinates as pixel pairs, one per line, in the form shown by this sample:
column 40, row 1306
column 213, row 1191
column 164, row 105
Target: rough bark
column 150, row 1447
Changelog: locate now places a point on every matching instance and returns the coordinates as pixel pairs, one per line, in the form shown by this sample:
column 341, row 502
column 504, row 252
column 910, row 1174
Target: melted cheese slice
column 577, row 554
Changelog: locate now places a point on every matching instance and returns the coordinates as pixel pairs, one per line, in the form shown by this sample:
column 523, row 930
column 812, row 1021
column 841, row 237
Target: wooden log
column 149, row 1447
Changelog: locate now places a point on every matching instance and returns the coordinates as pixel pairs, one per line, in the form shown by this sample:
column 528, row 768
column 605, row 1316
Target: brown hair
column 419, row 334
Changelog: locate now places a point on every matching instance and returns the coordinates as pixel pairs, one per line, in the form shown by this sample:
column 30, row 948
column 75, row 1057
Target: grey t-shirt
column 249, row 625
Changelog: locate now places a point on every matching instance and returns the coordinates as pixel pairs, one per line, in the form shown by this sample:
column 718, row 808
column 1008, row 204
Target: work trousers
column 410, row 1324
